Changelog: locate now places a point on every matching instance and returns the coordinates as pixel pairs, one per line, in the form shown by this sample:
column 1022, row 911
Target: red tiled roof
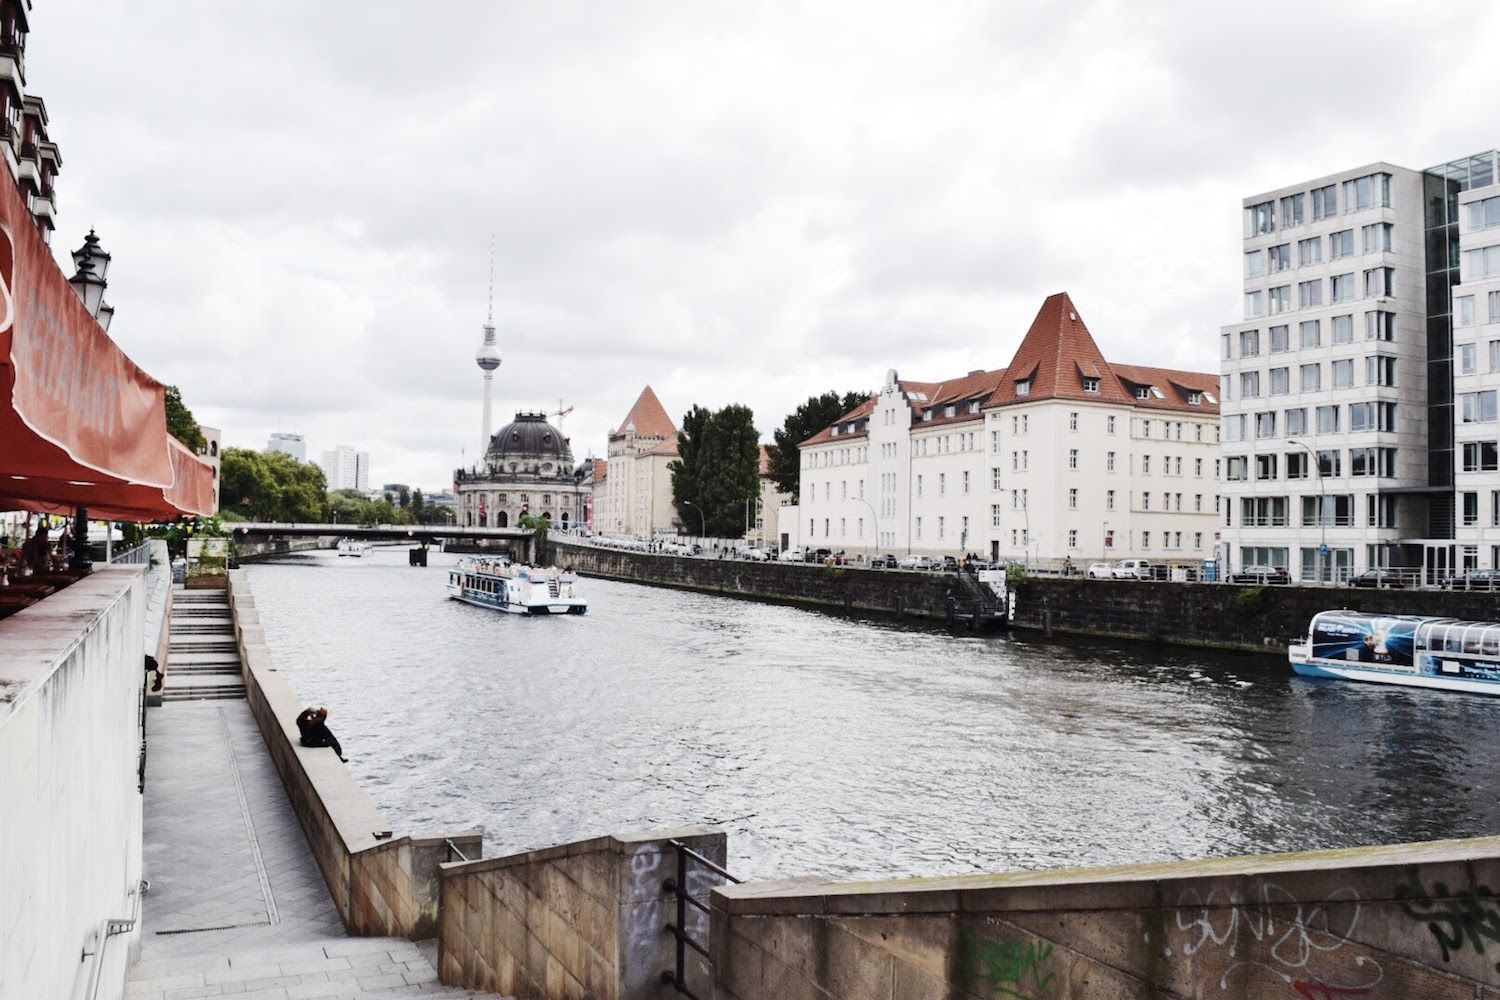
column 1174, row 385
column 765, row 460
column 649, row 417
column 1055, row 354
column 979, row 386
column 860, row 412
column 601, row 470
column 667, row 447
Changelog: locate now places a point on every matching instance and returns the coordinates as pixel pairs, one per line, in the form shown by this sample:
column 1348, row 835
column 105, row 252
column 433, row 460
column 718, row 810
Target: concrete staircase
column 202, row 661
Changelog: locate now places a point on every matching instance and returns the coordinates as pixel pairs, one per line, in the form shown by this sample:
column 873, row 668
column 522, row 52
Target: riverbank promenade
column 237, row 905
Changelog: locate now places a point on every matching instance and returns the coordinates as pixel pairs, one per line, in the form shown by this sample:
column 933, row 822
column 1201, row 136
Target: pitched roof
column 860, row 412
column 1175, row 387
column 649, row 417
column 601, row 470
column 765, row 460
column 1056, row 354
column 980, row 387
column 667, row 447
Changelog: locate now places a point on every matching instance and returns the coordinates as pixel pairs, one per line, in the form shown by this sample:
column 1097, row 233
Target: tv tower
column 488, row 357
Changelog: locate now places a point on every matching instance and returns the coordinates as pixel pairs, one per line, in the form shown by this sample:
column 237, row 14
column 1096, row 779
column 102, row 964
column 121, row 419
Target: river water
column 829, row 746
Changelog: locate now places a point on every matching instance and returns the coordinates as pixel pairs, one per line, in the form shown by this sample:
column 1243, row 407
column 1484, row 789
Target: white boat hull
column 1369, row 674
column 519, row 593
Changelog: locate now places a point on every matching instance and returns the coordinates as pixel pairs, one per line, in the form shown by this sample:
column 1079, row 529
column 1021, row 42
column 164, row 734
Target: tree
column 802, row 423
column 418, row 506
column 270, row 486
column 717, row 469
column 180, row 422
column 403, row 498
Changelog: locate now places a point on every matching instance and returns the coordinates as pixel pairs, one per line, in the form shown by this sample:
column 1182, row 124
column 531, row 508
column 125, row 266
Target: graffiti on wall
column 1014, row 969
column 1468, row 916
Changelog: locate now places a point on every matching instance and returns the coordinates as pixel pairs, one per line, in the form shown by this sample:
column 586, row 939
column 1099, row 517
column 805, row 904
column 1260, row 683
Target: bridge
column 518, row 540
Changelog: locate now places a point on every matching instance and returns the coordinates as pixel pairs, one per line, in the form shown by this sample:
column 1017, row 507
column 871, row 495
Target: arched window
column 565, row 520
column 502, row 520
column 482, row 519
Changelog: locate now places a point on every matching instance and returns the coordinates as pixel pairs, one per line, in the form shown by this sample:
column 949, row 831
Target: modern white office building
column 1339, row 380
column 289, row 444
column 1061, row 455
column 346, row 469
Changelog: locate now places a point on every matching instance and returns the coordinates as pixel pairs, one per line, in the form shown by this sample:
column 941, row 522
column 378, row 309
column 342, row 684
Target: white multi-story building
column 636, row 494
column 1339, row 383
column 1059, row 456
column 346, row 469
column 289, row 444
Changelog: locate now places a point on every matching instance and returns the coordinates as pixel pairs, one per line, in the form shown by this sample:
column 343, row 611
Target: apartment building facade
column 1061, row 455
column 1338, row 384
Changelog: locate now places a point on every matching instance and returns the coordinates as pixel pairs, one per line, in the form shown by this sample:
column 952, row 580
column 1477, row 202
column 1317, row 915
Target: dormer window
column 1023, row 387
column 974, row 406
column 1090, row 385
column 926, row 416
column 1194, row 398
column 949, row 410
column 1142, row 392
column 835, row 431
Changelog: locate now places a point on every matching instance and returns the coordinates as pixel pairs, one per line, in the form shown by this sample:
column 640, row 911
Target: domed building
column 527, row 469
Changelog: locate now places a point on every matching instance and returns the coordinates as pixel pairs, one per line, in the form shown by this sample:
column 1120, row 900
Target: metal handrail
column 677, row 977
column 135, row 554
column 108, row 928
column 454, row 849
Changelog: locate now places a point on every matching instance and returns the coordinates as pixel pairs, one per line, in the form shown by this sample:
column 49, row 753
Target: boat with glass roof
column 1407, row 650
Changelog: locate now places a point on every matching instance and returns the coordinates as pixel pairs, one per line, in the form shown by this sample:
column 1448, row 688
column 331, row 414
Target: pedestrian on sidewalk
column 313, row 725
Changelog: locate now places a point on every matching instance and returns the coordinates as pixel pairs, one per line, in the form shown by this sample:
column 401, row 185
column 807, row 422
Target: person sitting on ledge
column 313, row 725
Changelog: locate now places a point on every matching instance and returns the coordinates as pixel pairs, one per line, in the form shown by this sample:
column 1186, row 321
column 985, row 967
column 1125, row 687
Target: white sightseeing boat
column 353, row 547
column 1409, row 650
column 521, row 590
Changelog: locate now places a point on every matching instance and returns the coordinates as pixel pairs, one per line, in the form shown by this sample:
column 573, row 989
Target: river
column 830, row 746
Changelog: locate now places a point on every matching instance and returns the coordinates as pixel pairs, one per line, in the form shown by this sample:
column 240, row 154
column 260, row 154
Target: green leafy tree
column 247, row 487
column 418, row 506
column 717, row 471
column 180, row 422
column 403, row 498
column 802, row 423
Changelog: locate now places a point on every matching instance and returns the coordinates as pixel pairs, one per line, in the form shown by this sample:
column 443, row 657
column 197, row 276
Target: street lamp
column 874, row 524
column 1105, row 543
column 1322, row 503
column 702, row 521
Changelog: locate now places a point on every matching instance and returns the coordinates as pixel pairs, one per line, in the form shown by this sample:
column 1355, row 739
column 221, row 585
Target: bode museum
column 527, row 469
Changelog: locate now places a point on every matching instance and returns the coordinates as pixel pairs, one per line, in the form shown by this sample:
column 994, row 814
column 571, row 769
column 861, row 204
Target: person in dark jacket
column 313, row 725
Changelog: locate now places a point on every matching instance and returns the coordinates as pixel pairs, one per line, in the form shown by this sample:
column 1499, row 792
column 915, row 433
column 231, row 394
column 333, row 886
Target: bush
column 1015, row 575
column 1251, row 600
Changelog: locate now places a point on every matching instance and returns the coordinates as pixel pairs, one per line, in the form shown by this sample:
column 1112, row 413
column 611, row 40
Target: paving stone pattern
column 237, row 905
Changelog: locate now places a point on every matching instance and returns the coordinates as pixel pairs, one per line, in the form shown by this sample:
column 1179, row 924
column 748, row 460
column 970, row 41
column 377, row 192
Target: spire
column 489, row 320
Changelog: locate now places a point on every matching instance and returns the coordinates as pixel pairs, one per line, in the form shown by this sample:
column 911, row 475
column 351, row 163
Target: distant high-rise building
column 288, row 444
column 346, row 469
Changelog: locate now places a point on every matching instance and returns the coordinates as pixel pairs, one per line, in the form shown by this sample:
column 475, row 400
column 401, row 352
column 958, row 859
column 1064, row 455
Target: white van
column 1132, row 569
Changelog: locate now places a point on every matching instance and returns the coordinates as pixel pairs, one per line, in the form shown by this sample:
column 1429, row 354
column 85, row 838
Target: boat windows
column 1471, row 639
column 1455, row 640
column 1489, row 644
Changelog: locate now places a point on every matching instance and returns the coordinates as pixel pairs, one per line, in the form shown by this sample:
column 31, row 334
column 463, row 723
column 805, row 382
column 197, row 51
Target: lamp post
column 874, row 524
column 1322, row 503
column 702, row 521
column 1104, row 543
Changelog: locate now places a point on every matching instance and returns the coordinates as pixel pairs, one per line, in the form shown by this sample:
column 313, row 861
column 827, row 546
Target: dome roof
column 530, row 438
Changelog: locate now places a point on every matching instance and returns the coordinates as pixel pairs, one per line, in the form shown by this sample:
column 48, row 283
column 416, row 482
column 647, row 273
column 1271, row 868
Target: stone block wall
column 71, row 683
column 580, row 920
column 380, row 884
column 1403, row 922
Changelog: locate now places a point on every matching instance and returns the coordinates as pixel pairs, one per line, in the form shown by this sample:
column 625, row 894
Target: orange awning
column 80, row 423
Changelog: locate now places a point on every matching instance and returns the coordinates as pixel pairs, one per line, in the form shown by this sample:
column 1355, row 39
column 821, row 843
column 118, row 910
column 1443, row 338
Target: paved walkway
column 237, row 905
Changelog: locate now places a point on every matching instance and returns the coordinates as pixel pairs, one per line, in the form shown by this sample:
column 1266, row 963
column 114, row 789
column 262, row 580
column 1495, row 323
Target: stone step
column 224, row 661
column 201, row 643
column 198, row 669
column 217, row 694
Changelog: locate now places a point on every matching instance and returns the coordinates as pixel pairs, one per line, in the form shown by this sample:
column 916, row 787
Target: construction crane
column 559, row 413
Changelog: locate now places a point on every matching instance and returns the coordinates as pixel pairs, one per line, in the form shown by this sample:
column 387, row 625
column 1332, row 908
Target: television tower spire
column 488, row 355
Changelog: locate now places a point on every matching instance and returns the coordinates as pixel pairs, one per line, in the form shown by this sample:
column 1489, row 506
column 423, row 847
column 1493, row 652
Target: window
column 919, row 527
column 1470, row 509
column 1145, row 428
column 1145, row 465
column 1146, row 500
column 1265, row 466
column 1341, row 329
column 1233, row 427
column 1328, row 419
column 1309, row 294
column 1280, row 299
column 1255, row 304
column 1280, row 381
column 1476, row 407
column 1073, row 498
column 1377, row 237
column 1336, row 510
column 1494, row 307
column 1380, row 370
column 1324, row 203
column 1228, row 346
column 1380, row 512
column 1295, row 421
column 1481, row 263
column 1463, row 313
column 1198, row 502
column 1279, row 339
column 966, row 484
column 1109, row 461
column 1090, row 385
column 1330, row 463
column 1255, row 263
column 1249, row 385
column 942, row 484
column 1072, row 458
column 1249, row 343
column 1235, row 469
column 995, row 477
column 1367, row 192
column 994, row 515
column 1380, row 325
column 1023, row 387
column 1495, row 355
column 1311, row 333
column 1292, row 210
column 1263, row 512
column 1260, row 219
column 1312, row 377
column 1310, row 251
column 1481, row 214
column 1280, row 258
column 1265, row 425
column 1343, row 373
column 1145, row 539
column 1109, row 499
column 1380, row 281
column 1361, row 417
column 1466, row 358
column 1480, row 456
column 1341, row 244
column 919, row 486
column 1072, row 538
column 1198, row 467
column 1296, row 464
column 1341, row 288
column 1372, row 462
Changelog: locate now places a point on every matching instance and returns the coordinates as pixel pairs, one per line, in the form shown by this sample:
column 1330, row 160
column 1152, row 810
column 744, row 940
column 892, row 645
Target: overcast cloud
column 732, row 202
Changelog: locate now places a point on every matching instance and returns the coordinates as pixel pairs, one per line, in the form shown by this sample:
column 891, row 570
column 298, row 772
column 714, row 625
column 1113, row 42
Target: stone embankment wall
column 900, row 593
column 71, row 682
column 248, row 551
column 1396, row 922
column 580, row 920
column 380, row 884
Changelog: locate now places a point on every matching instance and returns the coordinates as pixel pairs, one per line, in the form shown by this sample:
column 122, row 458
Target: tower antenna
column 490, row 316
column 488, row 355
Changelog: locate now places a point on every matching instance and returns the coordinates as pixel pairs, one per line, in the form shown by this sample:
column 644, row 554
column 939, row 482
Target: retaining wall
column 579, row 920
column 380, row 884
column 1405, row 922
column 71, row 681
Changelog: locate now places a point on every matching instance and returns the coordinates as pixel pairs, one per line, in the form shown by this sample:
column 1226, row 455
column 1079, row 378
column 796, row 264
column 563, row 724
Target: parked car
column 1100, row 571
column 883, row 562
column 1261, row 574
column 948, row 564
column 1133, row 569
column 752, row 553
column 836, row 559
column 791, row 555
column 819, row 555
column 1378, row 578
column 914, row 562
column 1476, row 579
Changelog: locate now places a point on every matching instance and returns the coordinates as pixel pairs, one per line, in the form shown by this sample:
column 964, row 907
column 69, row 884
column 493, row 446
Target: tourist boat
column 350, row 547
column 521, row 590
column 1410, row 650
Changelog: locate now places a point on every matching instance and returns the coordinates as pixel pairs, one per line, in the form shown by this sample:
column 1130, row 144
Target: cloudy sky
column 732, row 202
